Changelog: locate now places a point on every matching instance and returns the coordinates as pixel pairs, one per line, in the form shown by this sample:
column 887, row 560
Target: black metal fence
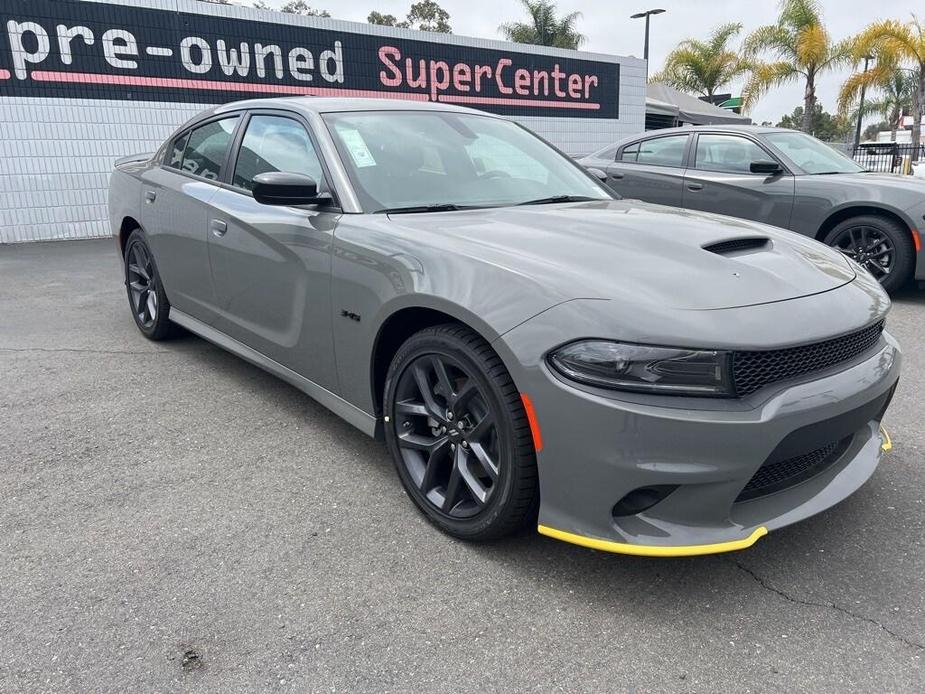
column 889, row 157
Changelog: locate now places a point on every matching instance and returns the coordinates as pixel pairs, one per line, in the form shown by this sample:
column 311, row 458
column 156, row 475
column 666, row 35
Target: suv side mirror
column 765, row 166
column 286, row 188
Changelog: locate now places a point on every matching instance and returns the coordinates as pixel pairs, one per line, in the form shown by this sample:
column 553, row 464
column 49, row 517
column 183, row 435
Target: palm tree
column 704, row 67
column 897, row 94
column 900, row 45
column 802, row 48
column 544, row 28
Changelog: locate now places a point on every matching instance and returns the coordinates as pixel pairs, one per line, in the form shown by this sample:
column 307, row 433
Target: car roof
column 331, row 104
column 731, row 128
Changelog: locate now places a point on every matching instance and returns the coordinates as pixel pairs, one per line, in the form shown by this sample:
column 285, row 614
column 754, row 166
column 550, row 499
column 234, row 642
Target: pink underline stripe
column 215, row 85
column 212, row 85
column 4, row 74
column 495, row 101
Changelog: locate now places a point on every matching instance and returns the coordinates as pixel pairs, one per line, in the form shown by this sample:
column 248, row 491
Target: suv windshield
column 812, row 155
column 421, row 159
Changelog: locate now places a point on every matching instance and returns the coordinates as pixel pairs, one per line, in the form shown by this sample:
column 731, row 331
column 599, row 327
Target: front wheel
column 458, row 434
column 881, row 245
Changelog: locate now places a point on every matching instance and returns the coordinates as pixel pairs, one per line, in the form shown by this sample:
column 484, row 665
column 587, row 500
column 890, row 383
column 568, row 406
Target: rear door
column 719, row 180
column 175, row 197
column 271, row 264
column 651, row 169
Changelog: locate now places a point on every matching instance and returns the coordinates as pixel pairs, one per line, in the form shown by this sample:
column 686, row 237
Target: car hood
column 625, row 249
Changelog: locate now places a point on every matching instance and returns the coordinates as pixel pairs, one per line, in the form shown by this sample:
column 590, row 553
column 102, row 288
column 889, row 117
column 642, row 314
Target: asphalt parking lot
column 175, row 519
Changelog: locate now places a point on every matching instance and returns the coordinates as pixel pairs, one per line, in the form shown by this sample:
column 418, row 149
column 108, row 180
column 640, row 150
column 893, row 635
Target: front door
column 271, row 265
column 720, row 180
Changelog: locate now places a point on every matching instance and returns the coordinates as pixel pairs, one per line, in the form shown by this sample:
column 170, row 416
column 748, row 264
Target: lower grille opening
column 782, row 474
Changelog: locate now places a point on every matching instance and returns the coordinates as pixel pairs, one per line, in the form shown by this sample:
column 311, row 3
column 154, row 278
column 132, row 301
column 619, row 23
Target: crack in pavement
column 830, row 605
column 23, row 350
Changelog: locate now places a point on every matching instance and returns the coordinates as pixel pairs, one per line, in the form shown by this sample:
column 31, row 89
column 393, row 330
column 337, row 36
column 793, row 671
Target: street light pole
column 857, row 130
column 645, row 50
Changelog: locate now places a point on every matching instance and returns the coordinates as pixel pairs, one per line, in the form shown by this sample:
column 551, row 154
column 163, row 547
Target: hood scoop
column 740, row 245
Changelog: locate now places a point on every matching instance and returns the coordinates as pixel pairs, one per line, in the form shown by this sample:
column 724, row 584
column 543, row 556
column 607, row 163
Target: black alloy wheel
column 878, row 244
column 458, row 434
column 146, row 296
column 142, row 285
column 447, row 435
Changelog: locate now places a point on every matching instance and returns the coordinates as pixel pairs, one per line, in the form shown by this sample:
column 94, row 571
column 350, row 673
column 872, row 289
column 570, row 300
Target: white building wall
column 56, row 153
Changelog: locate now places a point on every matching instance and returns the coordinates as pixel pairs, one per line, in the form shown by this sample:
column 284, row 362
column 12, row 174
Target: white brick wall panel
column 56, row 153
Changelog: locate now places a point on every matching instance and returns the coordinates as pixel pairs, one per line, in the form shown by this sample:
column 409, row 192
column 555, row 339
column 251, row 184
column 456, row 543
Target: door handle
column 218, row 227
column 617, row 175
column 150, row 196
column 695, row 186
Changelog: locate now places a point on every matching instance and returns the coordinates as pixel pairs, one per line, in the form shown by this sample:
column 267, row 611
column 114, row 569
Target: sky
column 608, row 28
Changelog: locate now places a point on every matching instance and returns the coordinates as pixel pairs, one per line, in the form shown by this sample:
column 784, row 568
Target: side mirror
column 765, row 166
column 597, row 173
column 285, row 188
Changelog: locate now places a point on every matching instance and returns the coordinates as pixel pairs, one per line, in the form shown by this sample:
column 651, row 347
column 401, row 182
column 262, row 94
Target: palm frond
column 767, row 75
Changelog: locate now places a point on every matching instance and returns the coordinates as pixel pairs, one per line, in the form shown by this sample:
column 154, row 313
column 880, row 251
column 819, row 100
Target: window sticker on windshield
column 359, row 152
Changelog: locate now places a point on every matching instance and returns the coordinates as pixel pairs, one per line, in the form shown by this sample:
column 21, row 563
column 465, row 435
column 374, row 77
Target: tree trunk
column 809, row 104
column 917, row 117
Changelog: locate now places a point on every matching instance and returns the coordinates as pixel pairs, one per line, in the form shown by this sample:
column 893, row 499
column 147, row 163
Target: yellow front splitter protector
column 654, row 550
column 887, row 442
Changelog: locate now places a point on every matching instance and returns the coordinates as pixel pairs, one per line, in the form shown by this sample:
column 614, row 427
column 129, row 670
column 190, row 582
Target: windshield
column 417, row 159
column 812, row 155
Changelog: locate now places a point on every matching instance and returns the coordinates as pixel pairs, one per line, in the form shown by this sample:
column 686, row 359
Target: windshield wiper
column 560, row 198
column 439, row 207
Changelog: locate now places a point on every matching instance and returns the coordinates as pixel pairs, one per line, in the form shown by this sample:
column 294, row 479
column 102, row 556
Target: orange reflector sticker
column 534, row 425
column 917, row 240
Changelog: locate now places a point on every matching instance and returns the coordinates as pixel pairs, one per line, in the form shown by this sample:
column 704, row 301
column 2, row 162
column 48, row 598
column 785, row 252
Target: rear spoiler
column 134, row 157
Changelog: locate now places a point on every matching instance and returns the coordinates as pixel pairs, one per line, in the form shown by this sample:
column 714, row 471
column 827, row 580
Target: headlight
column 647, row 369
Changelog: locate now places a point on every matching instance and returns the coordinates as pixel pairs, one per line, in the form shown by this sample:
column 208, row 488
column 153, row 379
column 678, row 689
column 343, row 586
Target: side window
column 173, row 156
column 630, row 152
column 662, row 151
column 275, row 143
column 727, row 153
column 206, row 147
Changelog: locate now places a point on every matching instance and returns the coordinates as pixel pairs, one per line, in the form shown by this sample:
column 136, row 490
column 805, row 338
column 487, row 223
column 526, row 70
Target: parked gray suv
column 780, row 177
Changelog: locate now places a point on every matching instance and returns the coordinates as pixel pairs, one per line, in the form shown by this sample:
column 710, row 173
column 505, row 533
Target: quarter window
column 275, row 143
column 630, row 152
column 174, row 154
column 206, row 147
column 727, row 153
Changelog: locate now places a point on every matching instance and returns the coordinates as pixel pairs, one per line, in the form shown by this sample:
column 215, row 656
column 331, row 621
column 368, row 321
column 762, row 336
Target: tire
column 146, row 297
column 871, row 239
column 485, row 445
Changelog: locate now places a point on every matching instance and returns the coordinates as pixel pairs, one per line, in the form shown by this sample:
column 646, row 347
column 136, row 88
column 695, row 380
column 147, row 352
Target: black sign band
column 72, row 49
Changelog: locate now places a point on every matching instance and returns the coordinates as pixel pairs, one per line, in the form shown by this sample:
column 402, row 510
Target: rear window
column 659, row 151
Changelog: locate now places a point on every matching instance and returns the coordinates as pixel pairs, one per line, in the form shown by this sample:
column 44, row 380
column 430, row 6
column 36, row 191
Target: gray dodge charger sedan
column 781, row 177
column 629, row 377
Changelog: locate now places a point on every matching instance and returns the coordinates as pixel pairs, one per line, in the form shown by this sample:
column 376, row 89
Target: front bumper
column 598, row 448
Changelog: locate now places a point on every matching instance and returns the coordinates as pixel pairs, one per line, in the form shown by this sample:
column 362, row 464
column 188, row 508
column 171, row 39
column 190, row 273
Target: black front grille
column 775, row 476
column 754, row 370
column 732, row 245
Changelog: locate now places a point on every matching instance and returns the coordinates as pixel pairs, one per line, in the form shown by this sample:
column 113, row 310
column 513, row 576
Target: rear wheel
column 881, row 245
column 459, row 436
column 146, row 297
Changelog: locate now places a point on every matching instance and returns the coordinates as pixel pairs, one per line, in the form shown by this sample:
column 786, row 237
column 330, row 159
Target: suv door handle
column 695, row 186
column 218, row 227
column 150, row 196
